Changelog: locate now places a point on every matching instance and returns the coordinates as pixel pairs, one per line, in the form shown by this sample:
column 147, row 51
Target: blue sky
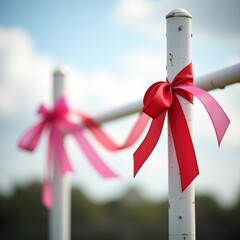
column 120, row 44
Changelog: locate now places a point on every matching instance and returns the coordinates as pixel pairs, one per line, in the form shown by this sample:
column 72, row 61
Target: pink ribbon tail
column 31, row 138
column 55, row 150
column 47, row 199
column 60, row 152
column 92, row 156
column 218, row 117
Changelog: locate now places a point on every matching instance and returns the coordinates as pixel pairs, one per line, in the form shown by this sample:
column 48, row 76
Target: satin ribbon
column 162, row 97
column 106, row 141
column 58, row 121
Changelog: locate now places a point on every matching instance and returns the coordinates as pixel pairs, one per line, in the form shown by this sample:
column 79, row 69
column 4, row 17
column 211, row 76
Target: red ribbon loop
column 157, row 99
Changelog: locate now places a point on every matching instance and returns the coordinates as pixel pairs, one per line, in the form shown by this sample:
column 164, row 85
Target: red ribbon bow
column 58, row 121
column 160, row 98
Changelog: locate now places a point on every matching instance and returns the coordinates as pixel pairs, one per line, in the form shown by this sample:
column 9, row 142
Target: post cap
column 60, row 71
column 179, row 12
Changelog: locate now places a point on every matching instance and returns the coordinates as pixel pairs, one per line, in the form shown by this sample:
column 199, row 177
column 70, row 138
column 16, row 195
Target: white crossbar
column 211, row 81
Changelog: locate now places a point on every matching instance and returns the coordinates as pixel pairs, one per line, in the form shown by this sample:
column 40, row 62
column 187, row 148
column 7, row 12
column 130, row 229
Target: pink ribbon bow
column 161, row 98
column 57, row 121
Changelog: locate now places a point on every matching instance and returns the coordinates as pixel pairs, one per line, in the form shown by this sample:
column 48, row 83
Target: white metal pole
column 220, row 78
column 179, row 55
column 59, row 215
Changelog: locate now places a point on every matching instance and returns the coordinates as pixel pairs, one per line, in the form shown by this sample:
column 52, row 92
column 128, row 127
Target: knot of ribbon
column 58, row 121
column 163, row 97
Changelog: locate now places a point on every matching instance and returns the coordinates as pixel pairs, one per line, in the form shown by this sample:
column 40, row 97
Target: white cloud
column 151, row 65
column 141, row 15
column 102, row 90
column 133, row 10
column 24, row 75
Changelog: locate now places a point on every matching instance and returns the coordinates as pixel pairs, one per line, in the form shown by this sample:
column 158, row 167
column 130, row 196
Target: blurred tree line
column 130, row 218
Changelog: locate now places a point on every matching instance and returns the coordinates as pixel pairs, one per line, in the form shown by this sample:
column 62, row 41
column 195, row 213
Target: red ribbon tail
column 98, row 133
column 137, row 130
column 183, row 144
column 106, row 141
column 149, row 142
